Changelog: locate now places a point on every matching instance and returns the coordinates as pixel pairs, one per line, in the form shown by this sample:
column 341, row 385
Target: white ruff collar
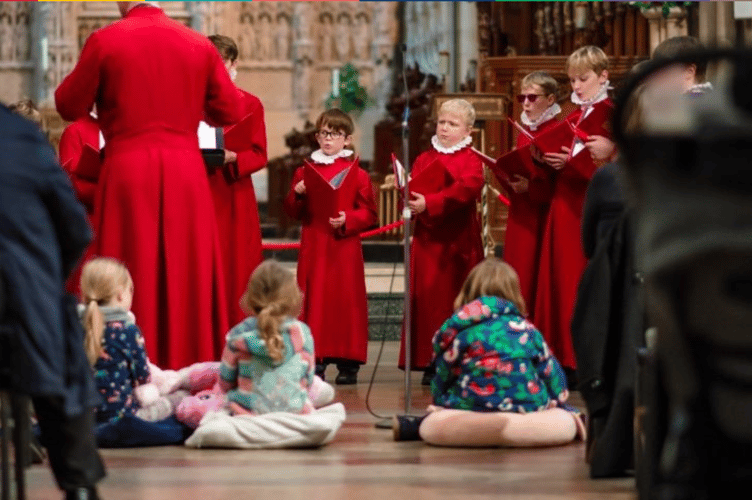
column 451, row 149
column 93, row 114
column 700, row 88
column 548, row 114
column 602, row 95
column 320, row 157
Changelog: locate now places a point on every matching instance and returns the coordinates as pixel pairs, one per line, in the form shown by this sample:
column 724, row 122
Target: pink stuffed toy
column 192, row 409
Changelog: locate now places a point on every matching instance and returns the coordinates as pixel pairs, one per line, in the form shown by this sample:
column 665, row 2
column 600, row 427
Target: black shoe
column 321, row 371
column 82, row 494
column 405, row 428
column 427, row 377
column 347, row 377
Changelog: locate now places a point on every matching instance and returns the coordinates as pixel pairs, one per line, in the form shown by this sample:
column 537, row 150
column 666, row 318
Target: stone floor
column 362, row 463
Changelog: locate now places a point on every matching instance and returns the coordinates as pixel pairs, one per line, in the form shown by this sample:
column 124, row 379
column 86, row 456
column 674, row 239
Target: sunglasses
column 530, row 97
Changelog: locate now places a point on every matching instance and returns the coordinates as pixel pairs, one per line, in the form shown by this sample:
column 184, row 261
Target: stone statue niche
column 326, row 37
column 283, row 38
column 362, row 37
column 265, row 41
column 247, row 38
column 343, row 35
column 7, row 33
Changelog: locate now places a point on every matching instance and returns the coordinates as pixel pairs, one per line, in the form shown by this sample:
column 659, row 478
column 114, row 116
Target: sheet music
column 337, row 179
column 400, row 173
column 207, row 136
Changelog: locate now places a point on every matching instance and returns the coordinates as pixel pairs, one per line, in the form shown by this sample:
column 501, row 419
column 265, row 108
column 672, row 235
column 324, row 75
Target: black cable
column 381, row 349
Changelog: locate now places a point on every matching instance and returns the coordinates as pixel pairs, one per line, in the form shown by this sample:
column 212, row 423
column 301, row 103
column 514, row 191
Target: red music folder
column 238, row 135
column 328, row 198
column 551, row 140
column 598, row 122
column 89, row 164
column 518, row 161
column 399, row 172
column 432, row 179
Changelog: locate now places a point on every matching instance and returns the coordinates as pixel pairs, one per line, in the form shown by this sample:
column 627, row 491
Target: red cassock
column 525, row 223
column 153, row 80
column 331, row 272
column 562, row 258
column 446, row 245
column 84, row 131
column 237, row 211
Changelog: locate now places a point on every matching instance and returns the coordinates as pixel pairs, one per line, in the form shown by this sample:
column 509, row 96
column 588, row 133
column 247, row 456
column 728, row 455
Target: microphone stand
column 407, row 217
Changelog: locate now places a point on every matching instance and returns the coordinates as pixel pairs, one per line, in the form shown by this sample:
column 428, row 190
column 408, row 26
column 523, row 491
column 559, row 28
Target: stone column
column 717, row 25
column 662, row 27
column 40, row 11
column 303, row 57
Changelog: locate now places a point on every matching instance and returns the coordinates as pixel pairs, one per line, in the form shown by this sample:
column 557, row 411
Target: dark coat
column 608, row 325
column 43, row 232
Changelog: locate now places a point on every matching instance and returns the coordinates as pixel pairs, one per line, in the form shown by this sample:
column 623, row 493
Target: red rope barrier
column 367, row 234
column 504, row 200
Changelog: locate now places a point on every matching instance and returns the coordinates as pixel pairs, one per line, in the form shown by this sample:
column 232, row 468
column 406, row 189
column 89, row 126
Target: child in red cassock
column 446, row 240
column 562, row 258
column 330, row 265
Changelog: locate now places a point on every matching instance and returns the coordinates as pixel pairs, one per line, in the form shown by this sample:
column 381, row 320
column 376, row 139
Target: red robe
column 562, row 257
column 331, row 272
column 525, row 224
column 237, row 211
column 153, row 80
column 446, row 246
column 83, row 131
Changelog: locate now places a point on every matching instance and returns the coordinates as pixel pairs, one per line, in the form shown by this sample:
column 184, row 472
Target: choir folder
column 431, row 179
column 237, row 136
column 89, row 164
column 328, row 198
column 211, row 142
column 518, row 161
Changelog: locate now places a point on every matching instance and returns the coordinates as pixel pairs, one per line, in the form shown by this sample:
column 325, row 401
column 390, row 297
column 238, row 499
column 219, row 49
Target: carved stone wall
column 16, row 66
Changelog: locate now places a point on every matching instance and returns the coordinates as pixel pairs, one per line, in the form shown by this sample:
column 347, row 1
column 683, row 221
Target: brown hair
column 678, row 46
column 337, row 120
column 101, row 280
column 492, row 277
column 226, row 46
column 271, row 295
column 27, row 109
column 587, row 58
column 542, row 79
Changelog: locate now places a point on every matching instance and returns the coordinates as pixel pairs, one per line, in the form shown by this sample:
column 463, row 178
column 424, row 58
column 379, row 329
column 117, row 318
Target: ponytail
column 269, row 319
column 94, row 327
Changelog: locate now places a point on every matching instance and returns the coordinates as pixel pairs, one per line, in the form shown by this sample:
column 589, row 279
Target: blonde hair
column 495, row 278
column 461, row 107
column 272, row 294
column 101, row 280
column 27, row 109
column 587, row 58
column 546, row 82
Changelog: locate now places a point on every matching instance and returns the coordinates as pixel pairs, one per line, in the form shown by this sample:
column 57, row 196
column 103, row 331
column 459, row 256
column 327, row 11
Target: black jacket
column 43, row 232
column 608, row 325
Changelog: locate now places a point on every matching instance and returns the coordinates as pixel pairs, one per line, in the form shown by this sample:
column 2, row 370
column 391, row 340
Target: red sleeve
column 295, row 204
column 464, row 190
column 76, row 95
column 255, row 157
column 223, row 105
column 363, row 216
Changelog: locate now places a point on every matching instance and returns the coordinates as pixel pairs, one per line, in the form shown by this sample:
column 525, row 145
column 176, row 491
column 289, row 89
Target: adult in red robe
column 446, row 246
column 530, row 200
column 153, row 80
column 562, row 257
column 234, row 194
column 331, row 271
column 84, row 131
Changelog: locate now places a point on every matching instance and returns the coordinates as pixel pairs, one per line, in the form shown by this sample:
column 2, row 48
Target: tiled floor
column 362, row 463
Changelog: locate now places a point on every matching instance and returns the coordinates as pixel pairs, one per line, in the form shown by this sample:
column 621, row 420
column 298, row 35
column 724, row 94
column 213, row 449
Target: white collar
column 320, row 157
column 700, row 88
column 547, row 115
column 602, row 95
column 451, row 149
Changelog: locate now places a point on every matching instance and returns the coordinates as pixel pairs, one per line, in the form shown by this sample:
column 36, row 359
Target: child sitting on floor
column 496, row 382
column 113, row 342
column 268, row 362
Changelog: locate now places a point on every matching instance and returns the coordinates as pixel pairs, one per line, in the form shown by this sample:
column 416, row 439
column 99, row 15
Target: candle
column 335, row 82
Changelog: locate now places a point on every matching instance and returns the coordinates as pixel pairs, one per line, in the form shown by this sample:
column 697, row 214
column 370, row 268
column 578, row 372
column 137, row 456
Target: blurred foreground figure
column 689, row 172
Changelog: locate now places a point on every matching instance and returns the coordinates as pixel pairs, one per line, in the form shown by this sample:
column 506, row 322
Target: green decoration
column 665, row 6
column 353, row 97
